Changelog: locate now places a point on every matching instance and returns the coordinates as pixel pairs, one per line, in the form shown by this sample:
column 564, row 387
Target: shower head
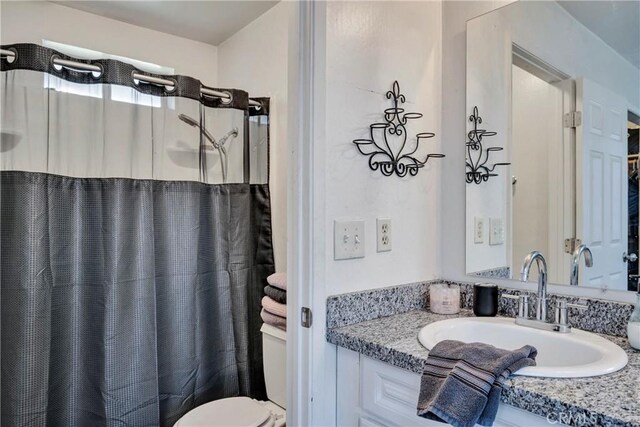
column 194, row 123
column 188, row 120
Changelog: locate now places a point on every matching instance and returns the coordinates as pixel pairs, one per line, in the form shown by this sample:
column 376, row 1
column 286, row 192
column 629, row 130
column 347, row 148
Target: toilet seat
column 230, row 412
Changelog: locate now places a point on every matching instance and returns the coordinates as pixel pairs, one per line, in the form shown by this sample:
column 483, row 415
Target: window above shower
column 117, row 93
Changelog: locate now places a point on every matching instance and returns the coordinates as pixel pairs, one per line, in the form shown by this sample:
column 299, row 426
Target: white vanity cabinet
column 371, row 393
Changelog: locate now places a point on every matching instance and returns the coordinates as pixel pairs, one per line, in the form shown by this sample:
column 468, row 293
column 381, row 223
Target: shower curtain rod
column 81, row 66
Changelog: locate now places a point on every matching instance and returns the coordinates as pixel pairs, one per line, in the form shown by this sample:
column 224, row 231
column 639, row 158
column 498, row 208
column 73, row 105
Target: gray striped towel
column 278, row 295
column 461, row 383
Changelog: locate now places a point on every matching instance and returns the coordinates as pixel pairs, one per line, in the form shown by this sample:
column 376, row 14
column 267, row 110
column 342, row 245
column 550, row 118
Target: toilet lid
column 231, row 412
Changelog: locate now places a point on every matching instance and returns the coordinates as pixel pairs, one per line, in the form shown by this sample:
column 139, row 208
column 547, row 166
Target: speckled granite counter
column 609, row 400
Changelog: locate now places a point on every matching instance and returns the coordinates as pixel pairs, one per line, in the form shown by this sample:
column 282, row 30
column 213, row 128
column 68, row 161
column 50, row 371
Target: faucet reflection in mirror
column 477, row 155
column 381, row 154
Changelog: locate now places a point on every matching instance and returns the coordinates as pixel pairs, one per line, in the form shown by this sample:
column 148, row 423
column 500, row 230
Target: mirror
column 553, row 106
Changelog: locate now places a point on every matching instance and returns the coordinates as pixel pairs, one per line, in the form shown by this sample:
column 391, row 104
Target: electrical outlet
column 478, row 230
column 348, row 239
column 496, row 232
column 383, row 225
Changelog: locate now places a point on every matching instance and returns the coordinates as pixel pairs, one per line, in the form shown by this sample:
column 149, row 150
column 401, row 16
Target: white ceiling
column 206, row 21
column 616, row 22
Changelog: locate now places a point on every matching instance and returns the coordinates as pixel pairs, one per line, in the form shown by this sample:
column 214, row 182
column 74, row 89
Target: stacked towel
column 274, row 308
column 273, row 320
column 278, row 280
column 461, row 383
column 278, row 295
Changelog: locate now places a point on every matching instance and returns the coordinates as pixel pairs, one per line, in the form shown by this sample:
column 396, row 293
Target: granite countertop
column 608, row 400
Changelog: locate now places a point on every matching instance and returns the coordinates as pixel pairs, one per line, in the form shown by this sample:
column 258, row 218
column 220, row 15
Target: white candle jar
column 444, row 298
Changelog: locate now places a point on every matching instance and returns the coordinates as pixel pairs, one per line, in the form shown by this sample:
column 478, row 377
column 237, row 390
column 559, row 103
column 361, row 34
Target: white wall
column 361, row 48
column 256, row 60
column 452, row 199
column 368, row 46
column 33, row 21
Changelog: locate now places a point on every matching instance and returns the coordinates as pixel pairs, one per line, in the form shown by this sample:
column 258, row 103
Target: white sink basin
column 560, row 355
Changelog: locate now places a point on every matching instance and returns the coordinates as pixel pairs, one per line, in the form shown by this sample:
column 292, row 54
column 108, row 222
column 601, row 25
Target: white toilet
column 244, row 411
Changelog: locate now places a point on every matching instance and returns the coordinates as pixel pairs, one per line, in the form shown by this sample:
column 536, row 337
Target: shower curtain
column 131, row 270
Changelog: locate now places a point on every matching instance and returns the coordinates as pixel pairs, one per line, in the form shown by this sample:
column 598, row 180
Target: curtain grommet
column 173, row 88
column 56, row 67
column 97, row 74
column 255, row 107
column 11, row 59
column 135, row 81
column 226, row 101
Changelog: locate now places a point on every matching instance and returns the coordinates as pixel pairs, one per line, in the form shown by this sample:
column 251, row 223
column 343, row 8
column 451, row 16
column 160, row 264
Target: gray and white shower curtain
column 131, row 270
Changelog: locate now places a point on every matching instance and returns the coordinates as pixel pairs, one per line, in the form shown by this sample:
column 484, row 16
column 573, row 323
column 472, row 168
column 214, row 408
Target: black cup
column 485, row 299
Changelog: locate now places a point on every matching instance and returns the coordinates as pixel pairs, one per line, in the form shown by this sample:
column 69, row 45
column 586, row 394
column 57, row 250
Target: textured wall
column 256, row 60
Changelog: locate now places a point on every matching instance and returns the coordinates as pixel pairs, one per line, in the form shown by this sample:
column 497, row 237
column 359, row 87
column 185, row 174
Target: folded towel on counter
column 461, row 383
column 279, row 280
column 278, row 295
column 274, row 307
column 273, row 320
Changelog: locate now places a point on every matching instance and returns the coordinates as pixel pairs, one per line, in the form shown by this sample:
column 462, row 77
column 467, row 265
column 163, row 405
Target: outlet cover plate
column 348, row 239
column 383, row 232
column 478, row 230
column 496, row 232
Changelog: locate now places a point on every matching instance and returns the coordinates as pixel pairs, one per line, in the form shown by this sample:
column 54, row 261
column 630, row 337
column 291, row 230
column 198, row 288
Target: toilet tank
column 274, row 355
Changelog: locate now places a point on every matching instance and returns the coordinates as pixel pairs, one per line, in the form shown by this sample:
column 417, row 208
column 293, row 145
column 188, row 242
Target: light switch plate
column 383, row 232
column 478, row 230
column 496, row 232
column 348, row 239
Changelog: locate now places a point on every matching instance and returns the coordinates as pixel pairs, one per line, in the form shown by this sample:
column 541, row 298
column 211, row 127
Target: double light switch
column 348, row 239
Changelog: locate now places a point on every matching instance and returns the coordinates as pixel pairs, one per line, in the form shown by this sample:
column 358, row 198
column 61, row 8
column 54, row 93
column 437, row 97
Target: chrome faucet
column 541, row 309
column 561, row 322
column 575, row 264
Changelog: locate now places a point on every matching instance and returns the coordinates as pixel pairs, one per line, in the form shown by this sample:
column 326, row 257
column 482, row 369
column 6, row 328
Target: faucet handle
column 562, row 306
column 523, row 303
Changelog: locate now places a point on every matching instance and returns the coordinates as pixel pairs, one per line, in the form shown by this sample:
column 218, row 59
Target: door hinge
column 572, row 119
column 306, row 317
column 571, row 244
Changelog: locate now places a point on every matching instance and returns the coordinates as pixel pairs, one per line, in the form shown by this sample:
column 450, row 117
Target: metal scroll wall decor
column 388, row 141
column 477, row 155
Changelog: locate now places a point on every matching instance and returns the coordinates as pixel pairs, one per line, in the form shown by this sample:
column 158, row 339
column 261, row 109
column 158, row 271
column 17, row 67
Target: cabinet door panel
column 375, row 394
column 391, row 393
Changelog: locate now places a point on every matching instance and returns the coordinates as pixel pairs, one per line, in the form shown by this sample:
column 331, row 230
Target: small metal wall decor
column 378, row 147
column 477, row 155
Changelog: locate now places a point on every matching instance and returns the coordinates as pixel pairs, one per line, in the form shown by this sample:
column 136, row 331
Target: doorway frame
column 311, row 385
